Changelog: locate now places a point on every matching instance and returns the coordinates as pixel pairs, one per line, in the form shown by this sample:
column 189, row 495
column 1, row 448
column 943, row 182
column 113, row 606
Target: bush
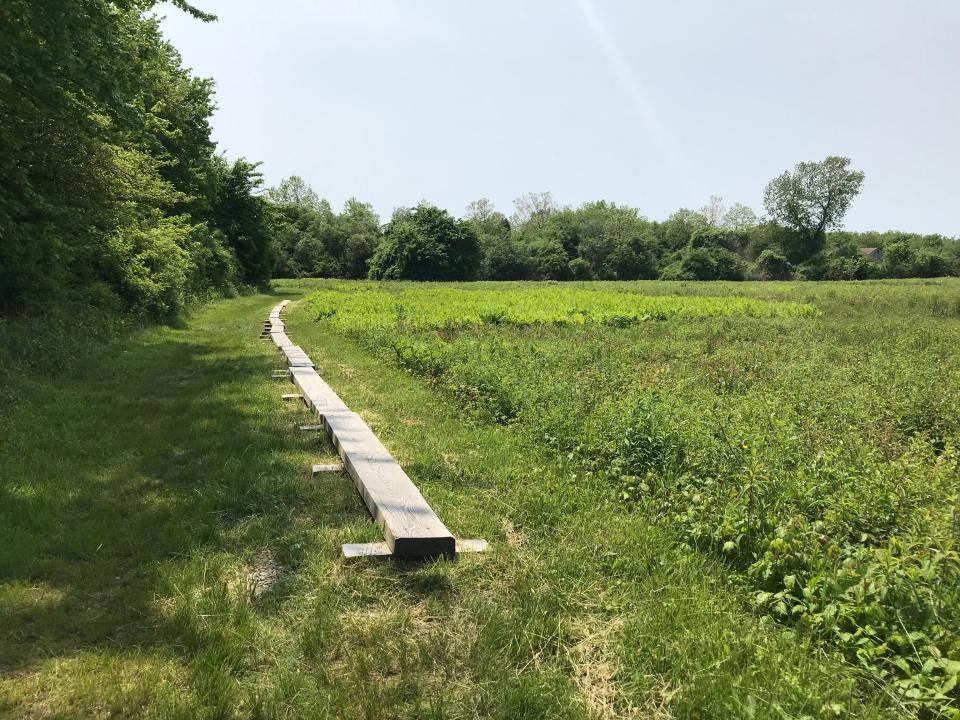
column 580, row 269
column 633, row 259
column 703, row 264
column 504, row 259
column 772, row 266
column 899, row 261
column 849, row 268
column 548, row 261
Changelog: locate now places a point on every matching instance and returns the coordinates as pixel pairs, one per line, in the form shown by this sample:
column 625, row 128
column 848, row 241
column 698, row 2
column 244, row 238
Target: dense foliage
column 431, row 307
column 815, row 452
column 426, row 243
column 310, row 240
column 113, row 195
column 604, row 241
column 112, row 192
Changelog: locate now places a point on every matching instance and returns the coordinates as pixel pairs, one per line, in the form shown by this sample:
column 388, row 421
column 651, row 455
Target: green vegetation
column 352, row 307
column 815, row 452
column 688, row 514
column 112, row 194
column 114, row 197
column 726, row 499
column 426, row 244
column 310, row 239
column 799, row 238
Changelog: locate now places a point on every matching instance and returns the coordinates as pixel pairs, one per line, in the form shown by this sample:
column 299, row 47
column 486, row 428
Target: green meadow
column 703, row 500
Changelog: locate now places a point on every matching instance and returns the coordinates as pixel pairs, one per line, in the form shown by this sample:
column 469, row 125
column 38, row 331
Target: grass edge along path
column 144, row 492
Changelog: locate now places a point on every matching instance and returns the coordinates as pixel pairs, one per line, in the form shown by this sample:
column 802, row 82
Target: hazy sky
column 652, row 104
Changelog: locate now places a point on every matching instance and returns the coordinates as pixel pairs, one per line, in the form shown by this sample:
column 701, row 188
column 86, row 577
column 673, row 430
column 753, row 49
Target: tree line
column 112, row 191
column 799, row 237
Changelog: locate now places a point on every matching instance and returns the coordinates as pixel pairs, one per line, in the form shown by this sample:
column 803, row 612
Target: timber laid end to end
column 411, row 528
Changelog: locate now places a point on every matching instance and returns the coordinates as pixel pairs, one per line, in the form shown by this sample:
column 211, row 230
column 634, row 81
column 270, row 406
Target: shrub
column 504, row 259
column 772, row 265
column 704, row 264
column 580, row 269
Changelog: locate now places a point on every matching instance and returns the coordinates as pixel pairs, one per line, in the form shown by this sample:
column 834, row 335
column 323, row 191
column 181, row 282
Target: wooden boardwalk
column 410, row 526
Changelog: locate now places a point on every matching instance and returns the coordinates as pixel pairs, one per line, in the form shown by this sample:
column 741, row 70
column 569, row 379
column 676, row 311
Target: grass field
column 703, row 500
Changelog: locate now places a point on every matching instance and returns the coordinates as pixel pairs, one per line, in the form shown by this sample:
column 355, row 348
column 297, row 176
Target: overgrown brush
column 806, row 434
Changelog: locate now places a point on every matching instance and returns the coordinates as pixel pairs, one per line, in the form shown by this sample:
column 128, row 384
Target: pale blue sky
column 652, row 104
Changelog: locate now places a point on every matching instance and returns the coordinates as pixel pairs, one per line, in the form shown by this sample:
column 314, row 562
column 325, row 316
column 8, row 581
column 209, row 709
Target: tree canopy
column 112, row 188
column 813, row 199
column 426, row 243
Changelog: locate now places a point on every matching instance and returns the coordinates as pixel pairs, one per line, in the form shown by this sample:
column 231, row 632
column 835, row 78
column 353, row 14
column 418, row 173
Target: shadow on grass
column 154, row 451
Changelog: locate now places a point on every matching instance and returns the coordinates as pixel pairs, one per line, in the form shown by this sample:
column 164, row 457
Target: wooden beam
column 319, row 396
column 281, row 340
column 410, row 526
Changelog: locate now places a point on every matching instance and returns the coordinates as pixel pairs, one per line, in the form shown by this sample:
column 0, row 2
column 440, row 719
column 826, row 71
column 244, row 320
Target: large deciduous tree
column 532, row 210
column 813, row 199
column 426, row 243
column 739, row 217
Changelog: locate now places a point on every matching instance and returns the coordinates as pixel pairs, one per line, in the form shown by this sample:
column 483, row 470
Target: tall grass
column 815, row 452
column 164, row 552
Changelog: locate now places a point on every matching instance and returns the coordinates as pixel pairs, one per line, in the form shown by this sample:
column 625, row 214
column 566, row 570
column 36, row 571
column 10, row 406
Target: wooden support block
column 309, row 428
column 281, row 374
column 366, row 550
column 317, row 470
column 411, row 527
column 291, row 396
column 382, row 550
column 475, row 545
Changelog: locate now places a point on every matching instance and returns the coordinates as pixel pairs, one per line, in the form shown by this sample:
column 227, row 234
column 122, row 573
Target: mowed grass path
column 164, row 553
